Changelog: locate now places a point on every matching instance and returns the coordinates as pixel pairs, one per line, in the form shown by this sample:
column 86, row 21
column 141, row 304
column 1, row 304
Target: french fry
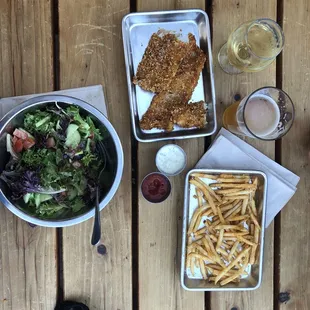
column 231, row 205
column 227, row 191
column 252, row 229
column 254, row 219
column 235, row 227
column 233, row 250
column 238, row 273
column 233, row 176
column 230, row 243
column 215, row 270
column 200, row 231
column 216, row 256
column 208, row 213
column 223, row 252
column 232, row 185
column 202, row 250
column 235, row 234
column 233, row 180
column 238, row 218
column 232, row 264
column 234, row 239
column 188, row 262
column 192, row 266
column 244, row 205
column 255, row 182
column 221, row 218
column 238, row 193
column 206, row 194
column 199, row 237
column 219, row 239
column 199, row 197
column 253, row 207
column 240, row 197
column 209, row 189
column 240, row 238
column 215, row 223
column 206, row 245
column 197, row 212
column 252, row 256
column 204, row 175
column 213, row 238
column 199, row 256
column 231, row 211
column 198, row 222
column 202, row 269
column 256, row 234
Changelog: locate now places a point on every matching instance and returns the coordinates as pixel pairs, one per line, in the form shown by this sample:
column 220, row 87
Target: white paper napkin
column 230, row 152
column 91, row 94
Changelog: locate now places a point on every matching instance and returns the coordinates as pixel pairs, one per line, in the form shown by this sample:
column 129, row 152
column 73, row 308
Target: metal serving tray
column 137, row 30
column 254, row 279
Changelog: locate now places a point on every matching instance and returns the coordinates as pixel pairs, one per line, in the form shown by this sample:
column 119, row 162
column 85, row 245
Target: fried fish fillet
column 160, row 62
column 190, row 115
column 158, row 114
column 179, row 91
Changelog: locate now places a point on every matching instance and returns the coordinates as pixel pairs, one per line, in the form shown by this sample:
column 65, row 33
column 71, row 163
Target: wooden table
column 52, row 44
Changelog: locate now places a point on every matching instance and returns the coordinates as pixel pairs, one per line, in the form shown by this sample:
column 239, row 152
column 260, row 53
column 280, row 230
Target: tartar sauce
column 171, row 159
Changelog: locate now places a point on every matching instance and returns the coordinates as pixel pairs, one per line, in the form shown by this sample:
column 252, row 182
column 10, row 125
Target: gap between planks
column 208, row 140
column 56, row 78
column 278, row 159
column 135, row 207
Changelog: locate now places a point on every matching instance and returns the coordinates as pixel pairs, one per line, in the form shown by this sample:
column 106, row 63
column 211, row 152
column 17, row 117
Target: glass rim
column 258, row 21
column 293, row 113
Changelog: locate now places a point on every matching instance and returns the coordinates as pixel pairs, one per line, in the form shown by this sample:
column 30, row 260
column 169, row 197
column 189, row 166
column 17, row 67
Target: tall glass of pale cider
column 266, row 114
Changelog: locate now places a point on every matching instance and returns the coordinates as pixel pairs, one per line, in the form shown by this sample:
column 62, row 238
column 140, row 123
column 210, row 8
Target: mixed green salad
column 54, row 165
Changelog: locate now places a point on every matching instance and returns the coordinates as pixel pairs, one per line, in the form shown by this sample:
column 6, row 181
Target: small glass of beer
column 251, row 47
column 266, row 114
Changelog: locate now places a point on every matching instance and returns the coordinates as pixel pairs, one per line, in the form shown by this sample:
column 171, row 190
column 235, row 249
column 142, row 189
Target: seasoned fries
column 224, row 230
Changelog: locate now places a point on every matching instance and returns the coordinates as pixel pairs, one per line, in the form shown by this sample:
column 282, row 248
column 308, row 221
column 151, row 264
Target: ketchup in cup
column 155, row 187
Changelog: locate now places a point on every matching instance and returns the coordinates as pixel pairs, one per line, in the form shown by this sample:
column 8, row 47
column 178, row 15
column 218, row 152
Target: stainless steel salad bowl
column 114, row 149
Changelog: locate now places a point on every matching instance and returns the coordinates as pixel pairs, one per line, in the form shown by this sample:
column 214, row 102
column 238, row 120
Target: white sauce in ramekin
column 170, row 159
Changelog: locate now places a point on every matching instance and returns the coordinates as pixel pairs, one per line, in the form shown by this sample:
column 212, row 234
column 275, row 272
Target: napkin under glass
column 230, row 152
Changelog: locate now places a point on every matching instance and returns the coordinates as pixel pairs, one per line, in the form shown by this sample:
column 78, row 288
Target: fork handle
column 97, row 226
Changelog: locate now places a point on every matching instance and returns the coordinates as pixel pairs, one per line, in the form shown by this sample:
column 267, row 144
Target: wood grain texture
column 27, row 255
column 228, row 15
column 295, row 218
column 91, row 52
column 160, row 225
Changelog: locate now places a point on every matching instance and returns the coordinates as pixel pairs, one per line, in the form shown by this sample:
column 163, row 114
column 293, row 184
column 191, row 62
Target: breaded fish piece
column 187, row 76
column 160, row 62
column 158, row 114
column 190, row 115
column 179, row 92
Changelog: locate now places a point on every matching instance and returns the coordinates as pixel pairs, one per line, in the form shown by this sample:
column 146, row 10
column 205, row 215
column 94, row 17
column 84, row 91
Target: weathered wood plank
column 295, row 219
column 160, row 225
column 227, row 15
column 91, row 52
column 27, row 255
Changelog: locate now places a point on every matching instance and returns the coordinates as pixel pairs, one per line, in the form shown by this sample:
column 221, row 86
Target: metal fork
column 101, row 150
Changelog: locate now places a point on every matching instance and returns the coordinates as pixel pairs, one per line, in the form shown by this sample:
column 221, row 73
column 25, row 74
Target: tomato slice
column 20, row 134
column 18, row 145
column 28, row 143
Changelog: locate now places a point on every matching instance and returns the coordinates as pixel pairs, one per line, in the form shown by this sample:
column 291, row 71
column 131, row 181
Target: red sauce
column 156, row 187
